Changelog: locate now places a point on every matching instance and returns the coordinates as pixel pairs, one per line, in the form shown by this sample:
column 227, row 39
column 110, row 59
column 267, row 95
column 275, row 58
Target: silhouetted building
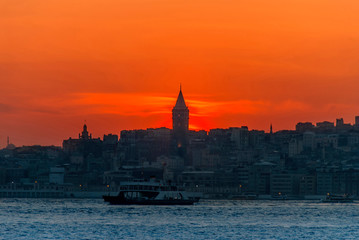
column 139, row 146
column 180, row 121
column 341, row 126
column 110, row 139
column 307, row 185
column 85, row 134
column 309, row 140
column 340, row 122
column 325, row 126
column 240, row 136
column 287, row 183
column 303, row 127
column 85, row 144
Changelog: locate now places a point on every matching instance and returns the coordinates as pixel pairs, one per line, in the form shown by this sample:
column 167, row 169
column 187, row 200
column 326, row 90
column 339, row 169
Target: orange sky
column 118, row 64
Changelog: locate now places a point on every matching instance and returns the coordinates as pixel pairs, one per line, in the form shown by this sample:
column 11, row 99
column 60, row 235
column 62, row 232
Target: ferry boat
column 151, row 192
column 335, row 198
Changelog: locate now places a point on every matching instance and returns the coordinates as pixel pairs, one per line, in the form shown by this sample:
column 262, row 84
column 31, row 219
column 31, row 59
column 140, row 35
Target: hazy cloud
column 6, row 108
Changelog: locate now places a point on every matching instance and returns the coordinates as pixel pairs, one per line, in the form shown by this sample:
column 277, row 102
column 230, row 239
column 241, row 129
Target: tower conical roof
column 180, row 101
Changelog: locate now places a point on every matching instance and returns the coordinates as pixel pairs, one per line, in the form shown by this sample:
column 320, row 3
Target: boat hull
column 115, row 200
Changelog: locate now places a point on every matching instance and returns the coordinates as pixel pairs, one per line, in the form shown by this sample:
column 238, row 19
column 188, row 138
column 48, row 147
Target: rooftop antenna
column 8, row 140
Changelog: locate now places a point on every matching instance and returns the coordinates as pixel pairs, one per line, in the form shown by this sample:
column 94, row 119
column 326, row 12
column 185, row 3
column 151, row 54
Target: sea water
column 208, row 219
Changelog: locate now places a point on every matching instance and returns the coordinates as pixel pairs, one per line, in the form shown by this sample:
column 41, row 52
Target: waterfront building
column 259, row 177
column 57, row 175
column 198, row 181
column 307, row 185
column 325, row 181
column 282, row 183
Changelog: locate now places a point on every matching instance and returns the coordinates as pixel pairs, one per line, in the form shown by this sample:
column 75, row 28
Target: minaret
column 180, row 119
column 271, row 129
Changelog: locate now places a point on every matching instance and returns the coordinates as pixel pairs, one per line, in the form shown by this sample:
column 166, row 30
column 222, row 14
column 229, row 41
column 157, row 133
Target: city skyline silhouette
column 180, row 124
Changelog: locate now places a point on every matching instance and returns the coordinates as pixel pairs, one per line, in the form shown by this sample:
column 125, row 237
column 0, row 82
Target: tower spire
column 180, row 103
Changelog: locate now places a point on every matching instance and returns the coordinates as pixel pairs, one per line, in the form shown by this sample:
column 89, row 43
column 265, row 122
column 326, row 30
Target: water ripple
column 94, row 219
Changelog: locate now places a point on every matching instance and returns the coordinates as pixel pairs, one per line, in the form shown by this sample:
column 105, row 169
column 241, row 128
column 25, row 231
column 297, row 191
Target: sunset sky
column 118, row 64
